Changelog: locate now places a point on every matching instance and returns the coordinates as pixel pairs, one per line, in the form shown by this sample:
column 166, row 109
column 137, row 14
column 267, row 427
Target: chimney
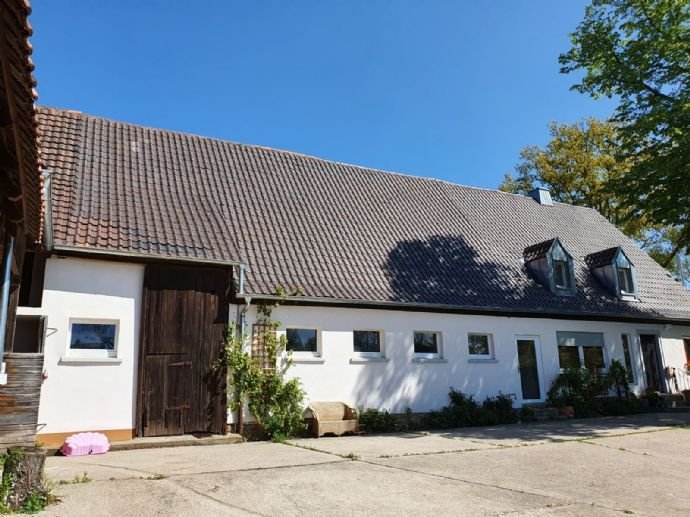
column 541, row 196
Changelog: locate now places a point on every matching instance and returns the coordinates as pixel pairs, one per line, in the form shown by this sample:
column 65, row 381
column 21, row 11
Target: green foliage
column 377, row 421
column 588, row 393
column 275, row 401
column 463, row 411
column 580, row 165
column 35, row 502
column 638, row 52
column 8, row 462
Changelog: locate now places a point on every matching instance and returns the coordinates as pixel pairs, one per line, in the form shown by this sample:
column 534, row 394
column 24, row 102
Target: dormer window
column 613, row 268
column 561, row 275
column 551, row 263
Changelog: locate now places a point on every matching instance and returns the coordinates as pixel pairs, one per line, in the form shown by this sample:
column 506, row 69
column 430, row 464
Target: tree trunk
column 22, row 474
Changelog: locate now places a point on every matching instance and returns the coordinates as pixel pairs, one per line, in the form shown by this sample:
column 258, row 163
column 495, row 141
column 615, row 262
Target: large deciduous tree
column 638, row 52
column 580, row 165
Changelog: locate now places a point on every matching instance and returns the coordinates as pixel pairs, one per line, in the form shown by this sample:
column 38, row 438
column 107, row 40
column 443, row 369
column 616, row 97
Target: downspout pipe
column 48, row 217
column 4, row 303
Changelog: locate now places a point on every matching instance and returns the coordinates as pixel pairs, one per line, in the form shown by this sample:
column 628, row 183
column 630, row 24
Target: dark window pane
column 561, row 274
column 594, row 358
column 367, row 341
column 628, row 359
column 301, row 340
column 425, row 343
column 625, row 281
column 92, row 336
column 479, row 344
column 686, row 342
column 568, row 357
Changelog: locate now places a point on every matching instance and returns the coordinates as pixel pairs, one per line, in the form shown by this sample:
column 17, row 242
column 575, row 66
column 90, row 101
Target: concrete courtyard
column 613, row 466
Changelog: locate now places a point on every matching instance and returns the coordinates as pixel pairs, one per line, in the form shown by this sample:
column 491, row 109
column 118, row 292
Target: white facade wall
column 101, row 395
column 400, row 381
column 89, row 394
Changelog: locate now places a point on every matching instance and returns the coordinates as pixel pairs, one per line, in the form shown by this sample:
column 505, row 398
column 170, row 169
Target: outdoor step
column 157, row 442
column 543, row 414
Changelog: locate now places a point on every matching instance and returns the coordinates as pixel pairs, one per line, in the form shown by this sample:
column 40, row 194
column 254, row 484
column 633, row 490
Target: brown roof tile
column 336, row 231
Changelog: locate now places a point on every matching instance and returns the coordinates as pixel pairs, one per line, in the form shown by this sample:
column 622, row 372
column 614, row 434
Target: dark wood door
column 184, row 315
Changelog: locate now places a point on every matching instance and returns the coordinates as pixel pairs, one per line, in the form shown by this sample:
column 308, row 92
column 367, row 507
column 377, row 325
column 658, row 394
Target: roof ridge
column 301, row 155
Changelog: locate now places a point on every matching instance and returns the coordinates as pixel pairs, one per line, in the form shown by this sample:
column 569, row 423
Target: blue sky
column 446, row 89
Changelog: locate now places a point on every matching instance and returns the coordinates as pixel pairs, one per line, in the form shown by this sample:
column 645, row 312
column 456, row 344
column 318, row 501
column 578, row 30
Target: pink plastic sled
column 83, row 444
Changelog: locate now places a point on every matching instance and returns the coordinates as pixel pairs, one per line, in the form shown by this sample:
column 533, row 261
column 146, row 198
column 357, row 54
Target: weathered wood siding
column 19, row 400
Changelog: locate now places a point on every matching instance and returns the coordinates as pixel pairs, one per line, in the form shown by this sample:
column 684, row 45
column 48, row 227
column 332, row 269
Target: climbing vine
column 275, row 401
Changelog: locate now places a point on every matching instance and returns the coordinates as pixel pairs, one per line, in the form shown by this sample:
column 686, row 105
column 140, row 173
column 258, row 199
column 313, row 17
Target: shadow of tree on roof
column 448, row 270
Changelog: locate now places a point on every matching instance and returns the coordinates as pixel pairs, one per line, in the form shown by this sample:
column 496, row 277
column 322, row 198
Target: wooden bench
column 333, row 417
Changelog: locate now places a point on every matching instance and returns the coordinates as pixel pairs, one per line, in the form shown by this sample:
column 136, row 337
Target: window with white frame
column 427, row 345
column 627, row 357
column 581, row 350
column 367, row 343
column 480, row 346
column 93, row 338
column 302, row 340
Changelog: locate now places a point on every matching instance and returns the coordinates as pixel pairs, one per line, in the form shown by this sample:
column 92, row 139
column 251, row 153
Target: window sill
column 90, row 360
column 429, row 360
column 364, row 359
column 482, row 360
column 308, row 360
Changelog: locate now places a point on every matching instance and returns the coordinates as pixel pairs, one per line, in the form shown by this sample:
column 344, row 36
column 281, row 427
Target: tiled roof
column 601, row 258
column 336, row 231
column 537, row 251
column 17, row 90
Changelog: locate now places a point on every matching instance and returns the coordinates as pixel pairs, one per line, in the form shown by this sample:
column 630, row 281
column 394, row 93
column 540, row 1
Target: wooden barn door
column 184, row 315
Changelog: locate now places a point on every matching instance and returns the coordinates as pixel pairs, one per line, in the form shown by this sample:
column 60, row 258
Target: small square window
column 302, row 340
column 367, row 342
column 426, row 345
column 93, row 338
column 480, row 345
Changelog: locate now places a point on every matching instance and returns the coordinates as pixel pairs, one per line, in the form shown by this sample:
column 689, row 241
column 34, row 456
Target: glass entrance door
column 528, row 365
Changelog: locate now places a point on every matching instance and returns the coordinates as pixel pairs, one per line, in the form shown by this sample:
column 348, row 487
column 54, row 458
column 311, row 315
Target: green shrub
column 588, row 393
column 377, row 421
column 464, row 411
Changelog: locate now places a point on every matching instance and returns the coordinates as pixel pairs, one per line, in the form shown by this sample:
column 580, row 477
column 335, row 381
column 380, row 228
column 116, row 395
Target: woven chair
column 333, row 417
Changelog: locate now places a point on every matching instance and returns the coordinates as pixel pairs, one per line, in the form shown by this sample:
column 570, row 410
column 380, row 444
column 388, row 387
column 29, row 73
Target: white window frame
column 439, row 345
column 301, row 355
column 581, row 355
column 370, row 355
column 93, row 354
column 481, row 357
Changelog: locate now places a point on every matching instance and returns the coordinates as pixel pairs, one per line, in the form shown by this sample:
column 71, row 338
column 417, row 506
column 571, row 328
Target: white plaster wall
column 93, row 396
column 400, row 382
column 89, row 396
column 673, row 353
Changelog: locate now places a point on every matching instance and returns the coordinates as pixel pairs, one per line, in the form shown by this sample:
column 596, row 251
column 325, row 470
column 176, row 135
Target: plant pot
column 567, row 411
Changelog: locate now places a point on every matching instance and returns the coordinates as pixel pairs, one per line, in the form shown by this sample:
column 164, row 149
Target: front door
column 528, row 365
column 184, row 315
column 651, row 356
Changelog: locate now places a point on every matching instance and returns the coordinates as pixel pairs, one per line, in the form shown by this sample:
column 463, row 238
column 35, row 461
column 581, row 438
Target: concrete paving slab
column 576, row 472
column 182, row 460
column 358, row 488
column 558, row 431
column 136, row 498
column 375, row 446
column 670, row 445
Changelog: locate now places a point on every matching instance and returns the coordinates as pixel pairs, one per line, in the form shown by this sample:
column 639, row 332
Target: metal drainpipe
column 4, row 304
